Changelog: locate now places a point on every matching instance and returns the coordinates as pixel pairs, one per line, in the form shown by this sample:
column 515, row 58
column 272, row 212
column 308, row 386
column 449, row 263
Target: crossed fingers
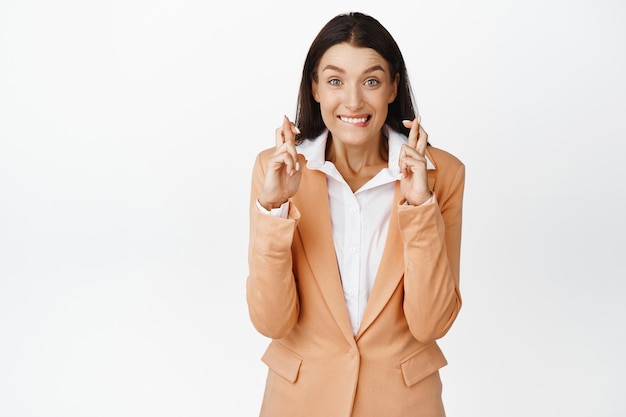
column 412, row 154
column 286, row 145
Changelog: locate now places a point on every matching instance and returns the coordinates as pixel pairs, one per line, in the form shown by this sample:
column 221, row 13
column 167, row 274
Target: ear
column 394, row 93
column 314, row 85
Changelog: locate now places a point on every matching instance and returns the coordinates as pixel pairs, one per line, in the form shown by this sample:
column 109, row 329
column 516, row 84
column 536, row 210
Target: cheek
column 327, row 112
column 328, row 102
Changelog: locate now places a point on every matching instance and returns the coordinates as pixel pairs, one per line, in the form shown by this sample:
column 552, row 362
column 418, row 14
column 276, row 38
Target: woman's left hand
column 412, row 165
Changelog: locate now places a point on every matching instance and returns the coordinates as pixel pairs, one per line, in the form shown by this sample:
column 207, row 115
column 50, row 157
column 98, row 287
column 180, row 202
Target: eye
column 334, row 81
column 372, row 82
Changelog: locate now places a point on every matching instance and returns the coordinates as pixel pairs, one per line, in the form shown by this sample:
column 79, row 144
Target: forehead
column 351, row 58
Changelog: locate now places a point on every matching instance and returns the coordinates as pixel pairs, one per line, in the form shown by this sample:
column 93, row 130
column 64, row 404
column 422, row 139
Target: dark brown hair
column 359, row 30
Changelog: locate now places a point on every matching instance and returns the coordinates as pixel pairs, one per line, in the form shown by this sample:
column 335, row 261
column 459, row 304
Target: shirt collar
column 314, row 150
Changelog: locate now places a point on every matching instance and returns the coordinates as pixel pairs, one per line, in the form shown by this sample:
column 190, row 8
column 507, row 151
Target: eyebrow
column 367, row 71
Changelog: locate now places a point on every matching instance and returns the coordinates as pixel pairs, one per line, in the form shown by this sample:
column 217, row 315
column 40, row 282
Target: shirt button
column 354, row 210
column 353, row 250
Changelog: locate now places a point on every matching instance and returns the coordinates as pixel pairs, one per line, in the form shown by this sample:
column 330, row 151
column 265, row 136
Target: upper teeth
column 354, row 119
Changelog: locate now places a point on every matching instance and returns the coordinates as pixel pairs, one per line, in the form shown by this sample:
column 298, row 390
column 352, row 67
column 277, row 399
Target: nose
column 353, row 98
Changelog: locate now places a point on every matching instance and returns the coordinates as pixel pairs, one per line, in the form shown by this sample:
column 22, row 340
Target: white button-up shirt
column 360, row 220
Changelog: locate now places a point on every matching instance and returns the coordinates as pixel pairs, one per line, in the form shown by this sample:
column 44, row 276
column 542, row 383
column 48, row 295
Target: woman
column 355, row 238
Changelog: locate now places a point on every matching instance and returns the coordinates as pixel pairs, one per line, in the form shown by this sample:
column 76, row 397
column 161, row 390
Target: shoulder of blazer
column 448, row 175
column 447, row 166
column 443, row 160
column 265, row 154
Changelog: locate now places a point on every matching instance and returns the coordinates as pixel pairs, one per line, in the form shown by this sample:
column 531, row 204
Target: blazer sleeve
column 271, row 290
column 431, row 236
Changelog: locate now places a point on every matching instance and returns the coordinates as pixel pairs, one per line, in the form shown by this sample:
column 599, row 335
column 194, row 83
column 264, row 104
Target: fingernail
column 297, row 166
column 297, row 130
column 406, row 121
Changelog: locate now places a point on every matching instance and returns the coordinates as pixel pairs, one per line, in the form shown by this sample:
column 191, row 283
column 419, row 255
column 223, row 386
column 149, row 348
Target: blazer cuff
column 282, row 211
column 431, row 200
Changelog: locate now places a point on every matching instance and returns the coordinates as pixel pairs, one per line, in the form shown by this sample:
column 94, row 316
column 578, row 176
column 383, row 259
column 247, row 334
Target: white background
column 127, row 135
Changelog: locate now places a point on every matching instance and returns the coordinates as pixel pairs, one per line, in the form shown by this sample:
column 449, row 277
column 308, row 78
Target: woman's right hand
column 283, row 174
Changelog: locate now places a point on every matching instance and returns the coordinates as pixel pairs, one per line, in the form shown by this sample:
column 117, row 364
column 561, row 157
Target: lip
column 359, row 120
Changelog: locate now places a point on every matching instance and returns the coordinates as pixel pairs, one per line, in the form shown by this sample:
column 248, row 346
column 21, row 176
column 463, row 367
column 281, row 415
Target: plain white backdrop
column 127, row 135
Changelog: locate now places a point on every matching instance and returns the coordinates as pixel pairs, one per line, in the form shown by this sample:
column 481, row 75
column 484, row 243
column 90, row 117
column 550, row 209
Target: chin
column 355, row 138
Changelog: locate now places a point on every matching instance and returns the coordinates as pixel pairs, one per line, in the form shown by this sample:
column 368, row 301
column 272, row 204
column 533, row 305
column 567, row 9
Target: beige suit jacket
column 317, row 366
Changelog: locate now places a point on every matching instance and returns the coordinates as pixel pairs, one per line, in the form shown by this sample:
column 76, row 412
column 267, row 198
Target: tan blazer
column 317, row 366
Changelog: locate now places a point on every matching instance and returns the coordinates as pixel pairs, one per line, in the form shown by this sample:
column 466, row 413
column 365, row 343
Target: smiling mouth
column 354, row 120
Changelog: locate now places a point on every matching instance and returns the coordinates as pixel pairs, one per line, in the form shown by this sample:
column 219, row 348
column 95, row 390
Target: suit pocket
column 282, row 361
column 421, row 363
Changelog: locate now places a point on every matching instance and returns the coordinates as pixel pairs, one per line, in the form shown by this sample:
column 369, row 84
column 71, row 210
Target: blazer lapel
column 391, row 268
column 315, row 229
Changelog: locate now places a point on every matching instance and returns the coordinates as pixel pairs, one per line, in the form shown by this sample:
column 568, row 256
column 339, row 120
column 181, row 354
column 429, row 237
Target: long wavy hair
column 359, row 30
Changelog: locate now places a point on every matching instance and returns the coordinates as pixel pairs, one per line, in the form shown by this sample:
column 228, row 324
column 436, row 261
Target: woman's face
column 354, row 88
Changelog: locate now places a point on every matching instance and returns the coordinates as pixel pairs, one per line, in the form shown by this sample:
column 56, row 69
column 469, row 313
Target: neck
column 358, row 164
column 357, row 157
